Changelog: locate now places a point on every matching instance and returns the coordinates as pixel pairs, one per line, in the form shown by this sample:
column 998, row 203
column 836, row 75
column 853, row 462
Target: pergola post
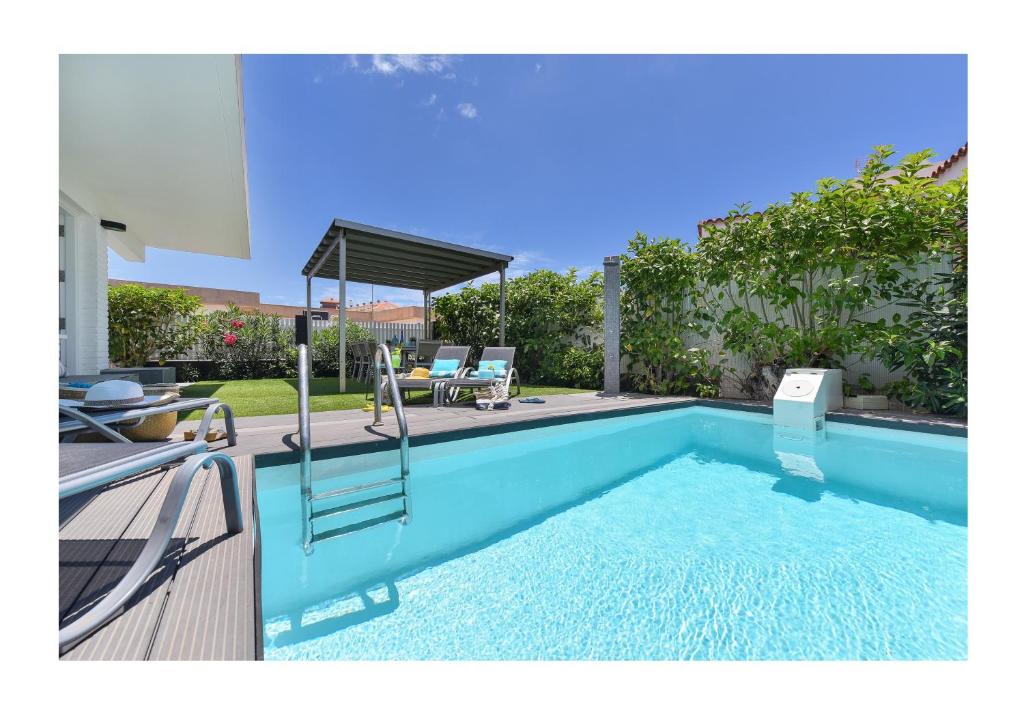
column 309, row 323
column 501, row 305
column 426, row 315
column 342, row 313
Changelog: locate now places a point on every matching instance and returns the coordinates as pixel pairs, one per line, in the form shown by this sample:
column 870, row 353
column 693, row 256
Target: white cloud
column 468, row 110
column 431, row 101
column 537, row 67
column 415, row 63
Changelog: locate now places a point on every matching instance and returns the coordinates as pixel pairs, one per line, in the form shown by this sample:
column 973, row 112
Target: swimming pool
column 694, row 533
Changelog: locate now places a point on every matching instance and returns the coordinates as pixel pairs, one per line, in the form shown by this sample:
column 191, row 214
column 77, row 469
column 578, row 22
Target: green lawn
column 279, row 396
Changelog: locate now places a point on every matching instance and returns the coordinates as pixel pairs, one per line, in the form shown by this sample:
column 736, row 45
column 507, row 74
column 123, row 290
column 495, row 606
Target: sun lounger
column 472, row 381
column 457, row 353
column 87, row 466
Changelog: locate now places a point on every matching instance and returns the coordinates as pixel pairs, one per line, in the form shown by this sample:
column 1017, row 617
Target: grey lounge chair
column 459, row 353
column 426, row 351
column 88, row 466
column 452, row 386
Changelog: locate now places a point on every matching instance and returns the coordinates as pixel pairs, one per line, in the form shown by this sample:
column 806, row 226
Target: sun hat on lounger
column 118, row 394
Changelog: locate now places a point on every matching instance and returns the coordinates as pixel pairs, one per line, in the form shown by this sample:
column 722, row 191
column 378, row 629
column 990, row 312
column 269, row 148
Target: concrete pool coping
column 273, row 439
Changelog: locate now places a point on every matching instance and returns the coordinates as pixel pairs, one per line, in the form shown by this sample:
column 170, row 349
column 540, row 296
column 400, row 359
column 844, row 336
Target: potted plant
column 863, row 397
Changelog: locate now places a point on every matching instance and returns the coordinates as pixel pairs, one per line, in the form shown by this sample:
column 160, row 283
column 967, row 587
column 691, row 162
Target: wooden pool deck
column 200, row 603
column 203, row 602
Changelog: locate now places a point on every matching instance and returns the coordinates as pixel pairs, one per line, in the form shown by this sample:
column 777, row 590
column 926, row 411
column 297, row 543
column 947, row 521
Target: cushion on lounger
column 444, row 368
column 491, row 369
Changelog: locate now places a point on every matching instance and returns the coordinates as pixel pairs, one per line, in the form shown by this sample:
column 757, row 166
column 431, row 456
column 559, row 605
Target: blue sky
column 557, row 160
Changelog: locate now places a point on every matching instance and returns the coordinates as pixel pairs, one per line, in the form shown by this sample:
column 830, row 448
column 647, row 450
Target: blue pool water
column 685, row 534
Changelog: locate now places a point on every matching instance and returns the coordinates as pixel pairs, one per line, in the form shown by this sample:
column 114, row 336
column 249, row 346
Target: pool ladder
column 345, row 498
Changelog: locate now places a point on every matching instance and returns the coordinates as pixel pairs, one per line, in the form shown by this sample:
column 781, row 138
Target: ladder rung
column 355, row 506
column 345, row 530
column 353, row 489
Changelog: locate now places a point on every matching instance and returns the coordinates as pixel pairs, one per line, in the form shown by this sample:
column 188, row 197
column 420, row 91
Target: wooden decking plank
column 130, row 635
column 210, row 612
column 96, row 522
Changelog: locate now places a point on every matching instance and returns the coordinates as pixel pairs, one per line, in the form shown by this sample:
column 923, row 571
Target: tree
column 150, row 322
column 800, row 283
column 551, row 318
column 662, row 305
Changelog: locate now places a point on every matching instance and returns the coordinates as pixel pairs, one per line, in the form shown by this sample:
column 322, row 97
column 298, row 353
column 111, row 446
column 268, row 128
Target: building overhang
column 157, row 143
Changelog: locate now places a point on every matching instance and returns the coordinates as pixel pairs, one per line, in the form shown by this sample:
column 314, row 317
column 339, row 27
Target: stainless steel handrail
column 305, row 464
column 383, row 353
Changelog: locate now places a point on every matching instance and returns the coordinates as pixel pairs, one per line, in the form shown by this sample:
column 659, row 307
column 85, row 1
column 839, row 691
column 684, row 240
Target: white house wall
column 87, row 346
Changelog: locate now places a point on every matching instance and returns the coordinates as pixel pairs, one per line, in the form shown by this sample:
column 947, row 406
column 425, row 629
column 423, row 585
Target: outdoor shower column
column 612, row 322
column 342, row 314
column 501, row 305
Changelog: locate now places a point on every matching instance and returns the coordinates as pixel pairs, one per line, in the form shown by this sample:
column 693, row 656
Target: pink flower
column 236, row 324
column 230, row 339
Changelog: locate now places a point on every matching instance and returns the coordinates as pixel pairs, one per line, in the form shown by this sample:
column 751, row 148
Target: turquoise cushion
column 492, row 369
column 444, row 368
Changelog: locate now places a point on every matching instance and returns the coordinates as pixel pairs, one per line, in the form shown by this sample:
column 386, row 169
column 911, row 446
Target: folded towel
column 420, row 373
column 532, row 399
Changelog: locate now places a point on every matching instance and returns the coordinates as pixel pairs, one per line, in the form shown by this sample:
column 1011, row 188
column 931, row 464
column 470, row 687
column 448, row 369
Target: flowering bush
column 255, row 346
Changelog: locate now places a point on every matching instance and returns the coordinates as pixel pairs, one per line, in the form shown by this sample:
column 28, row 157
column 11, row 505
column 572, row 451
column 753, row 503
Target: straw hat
column 118, row 394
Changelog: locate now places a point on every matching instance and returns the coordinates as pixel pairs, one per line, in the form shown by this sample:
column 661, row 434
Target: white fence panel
column 383, row 331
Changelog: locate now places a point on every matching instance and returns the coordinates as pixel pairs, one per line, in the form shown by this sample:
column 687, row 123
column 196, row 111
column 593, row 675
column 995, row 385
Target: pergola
column 359, row 253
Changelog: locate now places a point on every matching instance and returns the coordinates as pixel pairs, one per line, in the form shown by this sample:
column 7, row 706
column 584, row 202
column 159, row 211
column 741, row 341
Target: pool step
column 356, row 505
column 353, row 489
column 361, row 525
column 315, row 516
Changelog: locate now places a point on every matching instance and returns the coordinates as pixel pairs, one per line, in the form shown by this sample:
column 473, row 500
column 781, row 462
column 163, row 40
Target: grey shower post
column 612, row 322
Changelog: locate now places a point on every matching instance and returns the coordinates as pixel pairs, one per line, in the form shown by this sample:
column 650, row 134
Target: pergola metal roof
column 350, row 251
column 374, row 255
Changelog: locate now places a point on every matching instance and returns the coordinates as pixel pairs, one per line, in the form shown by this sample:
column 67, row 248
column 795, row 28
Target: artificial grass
column 279, row 396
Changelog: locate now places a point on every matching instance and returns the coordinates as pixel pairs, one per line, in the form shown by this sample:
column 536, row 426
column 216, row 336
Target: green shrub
column 931, row 344
column 145, row 322
column 800, row 283
column 580, row 367
column 325, row 346
column 187, row 373
column 662, row 305
column 247, row 344
column 551, row 319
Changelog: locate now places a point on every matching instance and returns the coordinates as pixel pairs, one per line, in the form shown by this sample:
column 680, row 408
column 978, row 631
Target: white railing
column 381, row 332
